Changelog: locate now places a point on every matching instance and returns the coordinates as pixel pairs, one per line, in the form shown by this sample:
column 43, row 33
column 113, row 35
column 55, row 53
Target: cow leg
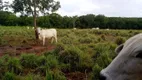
column 52, row 39
column 43, row 41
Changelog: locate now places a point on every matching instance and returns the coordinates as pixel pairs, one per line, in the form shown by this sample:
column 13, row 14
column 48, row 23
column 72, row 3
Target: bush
column 29, row 61
column 9, row 76
column 119, row 40
column 71, row 56
column 14, row 65
column 86, row 62
column 96, row 72
column 85, row 40
column 47, row 62
column 52, row 62
column 54, row 75
column 66, row 40
column 103, row 37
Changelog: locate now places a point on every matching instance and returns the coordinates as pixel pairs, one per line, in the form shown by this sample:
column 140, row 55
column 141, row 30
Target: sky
column 110, row 8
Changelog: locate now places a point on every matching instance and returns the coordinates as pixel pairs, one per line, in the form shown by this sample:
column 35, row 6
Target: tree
column 7, row 18
column 74, row 18
column 1, row 5
column 34, row 7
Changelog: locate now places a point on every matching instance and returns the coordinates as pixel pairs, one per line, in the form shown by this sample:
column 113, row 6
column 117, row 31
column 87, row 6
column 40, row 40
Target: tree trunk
column 35, row 27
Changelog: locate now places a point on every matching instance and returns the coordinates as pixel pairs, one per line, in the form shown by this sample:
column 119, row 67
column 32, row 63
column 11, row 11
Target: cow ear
column 119, row 48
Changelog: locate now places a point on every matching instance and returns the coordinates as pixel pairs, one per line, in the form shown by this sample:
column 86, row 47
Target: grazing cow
column 28, row 27
column 97, row 28
column 128, row 63
column 107, row 29
column 74, row 28
column 47, row 34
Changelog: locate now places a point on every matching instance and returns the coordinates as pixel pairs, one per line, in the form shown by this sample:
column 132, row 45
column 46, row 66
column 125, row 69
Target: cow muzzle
column 104, row 76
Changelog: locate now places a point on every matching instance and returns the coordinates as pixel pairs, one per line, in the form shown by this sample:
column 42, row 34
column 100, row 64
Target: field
column 78, row 55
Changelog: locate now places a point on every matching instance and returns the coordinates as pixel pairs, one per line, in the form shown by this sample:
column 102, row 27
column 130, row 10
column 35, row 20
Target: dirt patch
column 17, row 50
column 76, row 76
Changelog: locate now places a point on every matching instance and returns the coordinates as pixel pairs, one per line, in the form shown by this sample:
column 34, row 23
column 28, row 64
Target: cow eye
column 139, row 55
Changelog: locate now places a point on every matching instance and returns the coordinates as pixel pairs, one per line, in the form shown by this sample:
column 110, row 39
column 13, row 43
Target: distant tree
column 87, row 21
column 7, row 18
column 100, row 21
column 34, row 7
column 55, row 19
column 1, row 5
column 74, row 18
column 67, row 22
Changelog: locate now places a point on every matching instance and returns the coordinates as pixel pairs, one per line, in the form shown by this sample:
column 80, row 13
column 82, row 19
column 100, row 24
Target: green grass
column 81, row 50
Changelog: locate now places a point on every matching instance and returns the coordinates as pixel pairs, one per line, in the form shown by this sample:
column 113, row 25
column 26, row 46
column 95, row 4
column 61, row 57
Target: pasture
column 79, row 54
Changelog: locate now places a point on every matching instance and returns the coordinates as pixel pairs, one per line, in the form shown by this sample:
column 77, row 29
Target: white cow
column 28, row 27
column 47, row 34
column 97, row 28
column 128, row 63
column 107, row 29
column 74, row 28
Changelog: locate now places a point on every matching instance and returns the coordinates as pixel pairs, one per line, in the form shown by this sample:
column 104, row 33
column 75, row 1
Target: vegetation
column 81, row 52
column 63, row 22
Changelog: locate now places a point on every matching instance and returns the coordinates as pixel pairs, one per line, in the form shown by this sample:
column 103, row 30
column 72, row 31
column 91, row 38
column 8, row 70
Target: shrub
column 29, row 61
column 52, row 62
column 58, row 75
column 86, row 62
column 66, row 40
column 14, row 65
column 47, row 62
column 49, row 75
column 85, row 40
column 119, row 40
column 9, row 76
column 96, row 71
column 103, row 37
column 54, row 75
column 71, row 56
column 104, row 54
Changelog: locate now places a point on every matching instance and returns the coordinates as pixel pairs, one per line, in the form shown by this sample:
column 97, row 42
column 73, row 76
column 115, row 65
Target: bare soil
column 76, row 76
column 32, row 49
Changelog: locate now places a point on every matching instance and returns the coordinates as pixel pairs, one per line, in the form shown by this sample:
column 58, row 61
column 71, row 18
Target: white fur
column 107, row 29
column 47, row 33
column 97, row 28
column 126, row 65
column 28, row 27
column 74, row 28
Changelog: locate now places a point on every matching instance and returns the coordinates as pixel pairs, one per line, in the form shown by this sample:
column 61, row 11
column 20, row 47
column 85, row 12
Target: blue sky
column 118, row 8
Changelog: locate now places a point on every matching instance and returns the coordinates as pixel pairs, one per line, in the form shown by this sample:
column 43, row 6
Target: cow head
column 128, row 63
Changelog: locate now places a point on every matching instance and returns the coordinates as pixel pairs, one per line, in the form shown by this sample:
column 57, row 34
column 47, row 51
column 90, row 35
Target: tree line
column 30, row 10
column 58, row 21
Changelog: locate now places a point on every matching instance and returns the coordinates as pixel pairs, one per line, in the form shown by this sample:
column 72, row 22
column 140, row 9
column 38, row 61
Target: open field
column 79, row 54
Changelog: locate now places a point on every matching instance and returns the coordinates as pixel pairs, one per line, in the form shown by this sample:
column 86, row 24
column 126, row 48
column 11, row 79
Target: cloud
column 122, row 8
column 77, row 7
